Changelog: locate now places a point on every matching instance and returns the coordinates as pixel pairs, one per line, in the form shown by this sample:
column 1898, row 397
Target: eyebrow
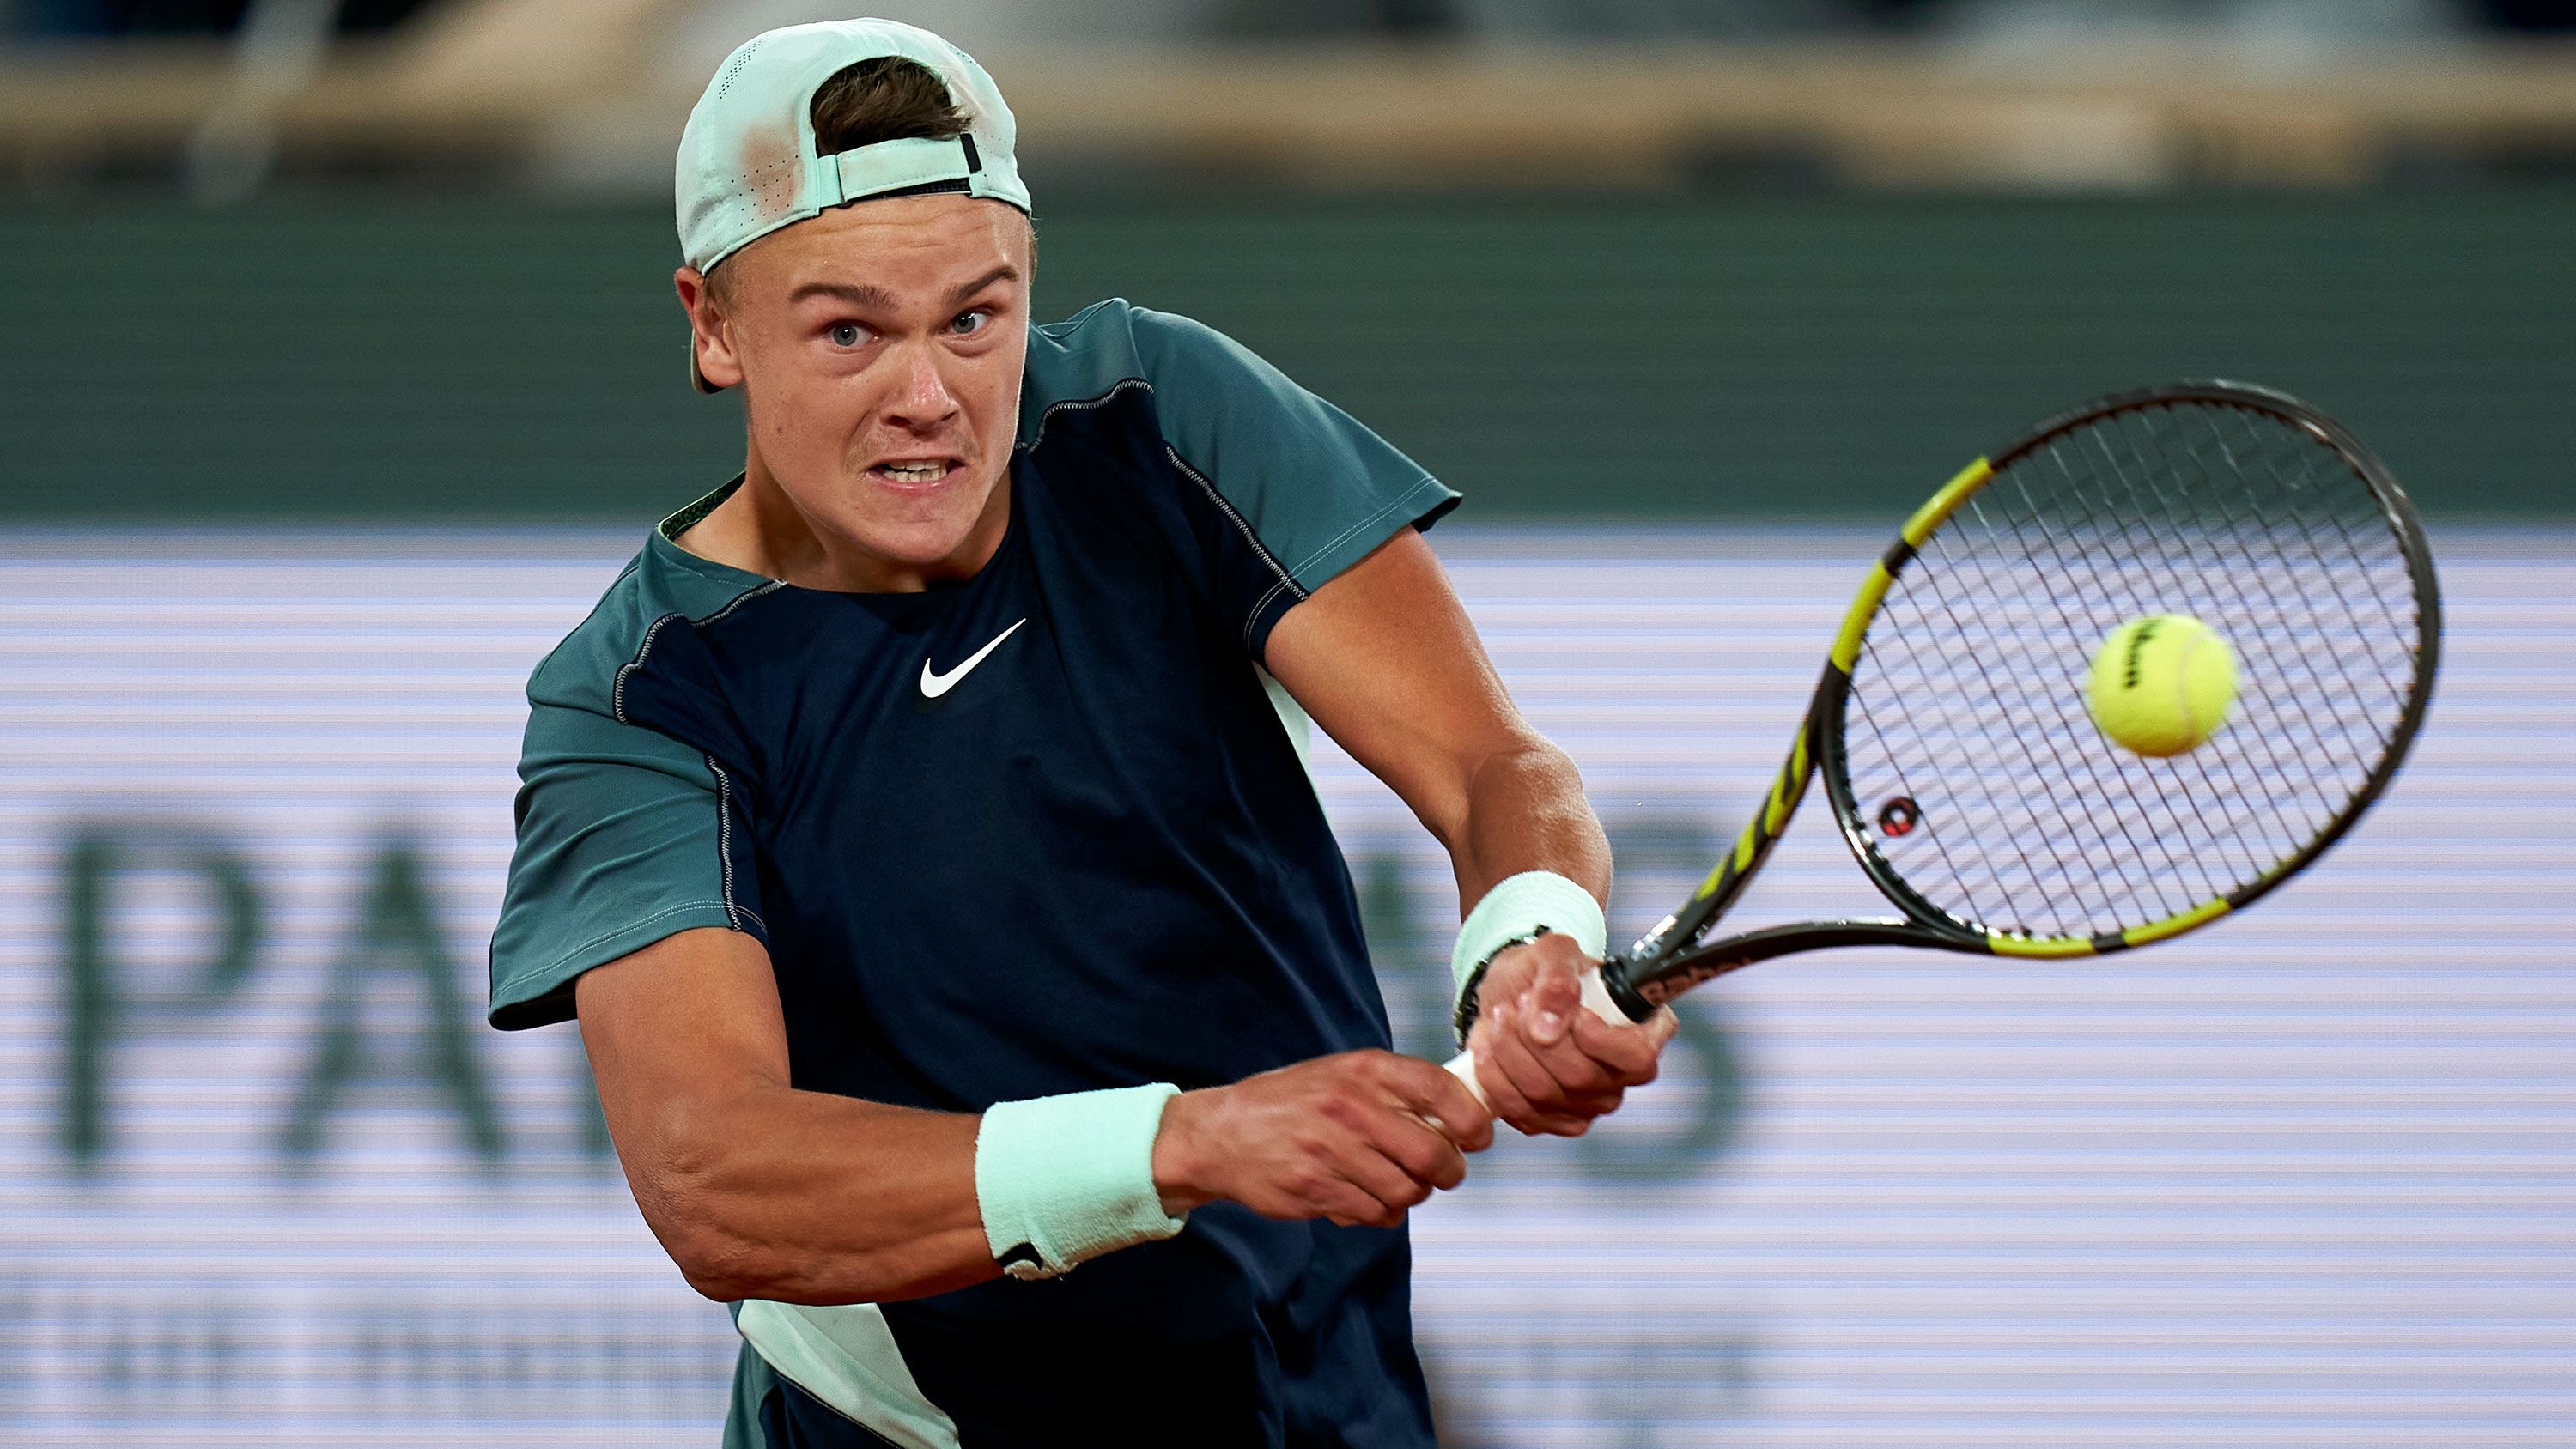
column 857, row 294
column 863, row 294
column 1003, row 273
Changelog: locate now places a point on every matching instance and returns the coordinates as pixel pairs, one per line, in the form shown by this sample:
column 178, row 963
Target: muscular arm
column 756, row 1189
column 1385, row 659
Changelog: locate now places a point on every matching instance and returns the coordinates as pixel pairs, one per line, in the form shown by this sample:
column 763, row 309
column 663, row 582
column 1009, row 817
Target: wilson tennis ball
column 2161, row 684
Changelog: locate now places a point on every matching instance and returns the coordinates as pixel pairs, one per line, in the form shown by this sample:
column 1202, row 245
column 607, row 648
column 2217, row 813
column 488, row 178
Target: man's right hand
column 1356, row 1138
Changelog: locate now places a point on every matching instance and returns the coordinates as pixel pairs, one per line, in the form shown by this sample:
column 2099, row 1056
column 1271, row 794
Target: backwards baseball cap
column 748, row 163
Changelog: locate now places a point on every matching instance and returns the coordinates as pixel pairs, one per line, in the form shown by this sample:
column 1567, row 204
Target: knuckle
column 1315, row 1149
column 1339, row 1108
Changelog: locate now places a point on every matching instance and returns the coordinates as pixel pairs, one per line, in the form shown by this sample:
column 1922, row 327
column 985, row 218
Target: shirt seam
column 724, row 841
column 1242, row 525
column 572, row 952
column 1037, row 434
column 1401, row 500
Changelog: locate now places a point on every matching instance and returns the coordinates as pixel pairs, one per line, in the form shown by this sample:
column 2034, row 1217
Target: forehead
column 915, row 247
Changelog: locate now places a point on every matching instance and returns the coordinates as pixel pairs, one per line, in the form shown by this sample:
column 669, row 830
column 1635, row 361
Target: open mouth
column 915, row 472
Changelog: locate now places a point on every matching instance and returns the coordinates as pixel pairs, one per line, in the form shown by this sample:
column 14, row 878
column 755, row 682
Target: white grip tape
column 1596, row 999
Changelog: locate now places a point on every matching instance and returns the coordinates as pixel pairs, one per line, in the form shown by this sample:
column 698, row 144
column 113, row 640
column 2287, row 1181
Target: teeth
column 915, row 472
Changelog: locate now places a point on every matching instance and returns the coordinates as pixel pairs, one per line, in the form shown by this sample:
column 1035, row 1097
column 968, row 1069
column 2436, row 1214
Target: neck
column 760, row 529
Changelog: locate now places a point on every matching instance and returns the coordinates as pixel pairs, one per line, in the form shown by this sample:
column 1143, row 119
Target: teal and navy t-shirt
column 1044, row 830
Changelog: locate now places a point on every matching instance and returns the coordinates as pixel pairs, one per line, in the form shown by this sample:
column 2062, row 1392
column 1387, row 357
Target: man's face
column 879, row 349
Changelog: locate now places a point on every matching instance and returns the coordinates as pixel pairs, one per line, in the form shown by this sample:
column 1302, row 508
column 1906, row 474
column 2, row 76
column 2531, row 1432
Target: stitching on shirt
column 724, row 838
column 738, row 600
column 1287, row 580
column 1037, row 434
column 1366, row 523
column 1259, row 549
column 617, row 690
column 1261, row 604
column 613, row 934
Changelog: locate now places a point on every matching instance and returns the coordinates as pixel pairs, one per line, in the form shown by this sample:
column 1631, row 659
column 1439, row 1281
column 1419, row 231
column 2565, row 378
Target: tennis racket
column 1950, row 724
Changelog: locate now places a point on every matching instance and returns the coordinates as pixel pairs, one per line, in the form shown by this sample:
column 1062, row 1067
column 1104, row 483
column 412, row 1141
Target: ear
column 710, row 335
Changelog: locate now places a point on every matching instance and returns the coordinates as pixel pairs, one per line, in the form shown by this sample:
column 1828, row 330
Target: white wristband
column 1065, row 1178
column 1517, row 908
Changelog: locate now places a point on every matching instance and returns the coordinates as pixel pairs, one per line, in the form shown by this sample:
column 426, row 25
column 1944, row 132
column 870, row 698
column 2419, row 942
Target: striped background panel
column 2302, row 1179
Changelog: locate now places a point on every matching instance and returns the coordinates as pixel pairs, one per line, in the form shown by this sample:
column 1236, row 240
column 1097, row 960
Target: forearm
column 1525, row 810
column 806, row 1197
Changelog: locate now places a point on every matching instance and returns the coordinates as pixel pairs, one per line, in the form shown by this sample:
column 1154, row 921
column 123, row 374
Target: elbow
column 694, row 1186
column 715, row 1262
column 716, row 1204
column 718, row 1254
column 726, row 1266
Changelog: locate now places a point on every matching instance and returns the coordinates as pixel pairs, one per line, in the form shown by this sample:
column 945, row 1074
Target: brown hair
column 887, row 98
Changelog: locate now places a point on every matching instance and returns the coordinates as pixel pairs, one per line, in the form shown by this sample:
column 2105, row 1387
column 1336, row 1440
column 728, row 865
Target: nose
column 921, row 399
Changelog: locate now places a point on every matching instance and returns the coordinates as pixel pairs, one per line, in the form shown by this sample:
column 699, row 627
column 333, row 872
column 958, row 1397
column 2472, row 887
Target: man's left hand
column 1547, row 1064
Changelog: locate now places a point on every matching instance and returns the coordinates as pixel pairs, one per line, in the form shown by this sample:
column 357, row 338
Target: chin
column 920, row 531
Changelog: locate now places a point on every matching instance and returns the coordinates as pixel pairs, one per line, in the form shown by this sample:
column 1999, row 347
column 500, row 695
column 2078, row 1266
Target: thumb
column 1663, row 1024
column 1551, row 1003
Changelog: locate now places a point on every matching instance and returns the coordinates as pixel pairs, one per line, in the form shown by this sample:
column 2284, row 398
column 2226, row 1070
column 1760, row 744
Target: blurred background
column 342, row 372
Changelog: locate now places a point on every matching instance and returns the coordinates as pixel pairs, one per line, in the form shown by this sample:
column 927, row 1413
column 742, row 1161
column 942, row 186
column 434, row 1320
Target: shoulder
column 656, row 590
column 1283, row 490
column 1114, row 346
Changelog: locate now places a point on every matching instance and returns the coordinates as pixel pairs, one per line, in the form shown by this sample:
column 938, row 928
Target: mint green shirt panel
column 752, row 1381
column 621, row 829
column 1315, row 485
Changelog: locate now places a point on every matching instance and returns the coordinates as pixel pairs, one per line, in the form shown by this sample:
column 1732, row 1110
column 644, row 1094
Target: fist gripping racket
column 1951, row 724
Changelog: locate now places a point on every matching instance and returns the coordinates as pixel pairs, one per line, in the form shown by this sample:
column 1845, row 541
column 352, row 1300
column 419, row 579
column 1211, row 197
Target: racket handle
column 1596, row 999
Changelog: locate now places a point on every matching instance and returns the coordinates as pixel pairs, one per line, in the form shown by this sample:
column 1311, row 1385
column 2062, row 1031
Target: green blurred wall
column 1769, row 355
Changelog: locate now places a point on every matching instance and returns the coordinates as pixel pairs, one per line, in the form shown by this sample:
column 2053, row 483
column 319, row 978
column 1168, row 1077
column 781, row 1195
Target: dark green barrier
column 1566, row 356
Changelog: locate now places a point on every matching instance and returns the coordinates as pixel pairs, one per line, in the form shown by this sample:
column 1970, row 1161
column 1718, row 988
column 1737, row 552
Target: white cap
column 748, row 164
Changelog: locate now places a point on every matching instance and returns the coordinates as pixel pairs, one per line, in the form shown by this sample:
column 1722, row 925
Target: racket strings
column 1968, row 699
column 2286, row 760
column 2283, row 758
column 1986, row 642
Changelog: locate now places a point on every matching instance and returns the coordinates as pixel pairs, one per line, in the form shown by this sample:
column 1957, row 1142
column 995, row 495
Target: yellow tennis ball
column 2161, row 684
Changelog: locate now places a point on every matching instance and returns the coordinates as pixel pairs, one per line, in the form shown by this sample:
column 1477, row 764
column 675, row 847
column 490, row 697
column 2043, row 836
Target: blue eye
column 847, row 334
column 967, row 324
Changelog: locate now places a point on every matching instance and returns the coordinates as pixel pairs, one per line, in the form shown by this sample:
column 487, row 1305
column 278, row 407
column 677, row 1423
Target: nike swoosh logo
column 935, row 684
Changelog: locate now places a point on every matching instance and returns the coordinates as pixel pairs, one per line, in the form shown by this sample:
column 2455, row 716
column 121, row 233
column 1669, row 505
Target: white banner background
column 2303, row 1179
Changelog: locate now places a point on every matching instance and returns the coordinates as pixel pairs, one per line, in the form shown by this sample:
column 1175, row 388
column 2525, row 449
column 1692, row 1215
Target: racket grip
column 1596, row 999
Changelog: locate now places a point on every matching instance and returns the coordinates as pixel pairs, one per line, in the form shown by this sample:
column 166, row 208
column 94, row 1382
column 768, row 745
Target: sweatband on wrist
column 1065, row 1178
column 1521, row 908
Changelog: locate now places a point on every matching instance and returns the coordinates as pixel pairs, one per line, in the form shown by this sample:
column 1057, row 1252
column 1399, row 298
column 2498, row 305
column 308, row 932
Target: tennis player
column 920, row 831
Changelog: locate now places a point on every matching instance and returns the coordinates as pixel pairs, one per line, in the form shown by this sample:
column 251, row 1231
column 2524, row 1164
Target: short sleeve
column 625, row 836
column 1303, row 489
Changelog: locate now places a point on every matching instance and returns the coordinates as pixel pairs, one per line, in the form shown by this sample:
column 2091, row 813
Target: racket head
column 1951, row 731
